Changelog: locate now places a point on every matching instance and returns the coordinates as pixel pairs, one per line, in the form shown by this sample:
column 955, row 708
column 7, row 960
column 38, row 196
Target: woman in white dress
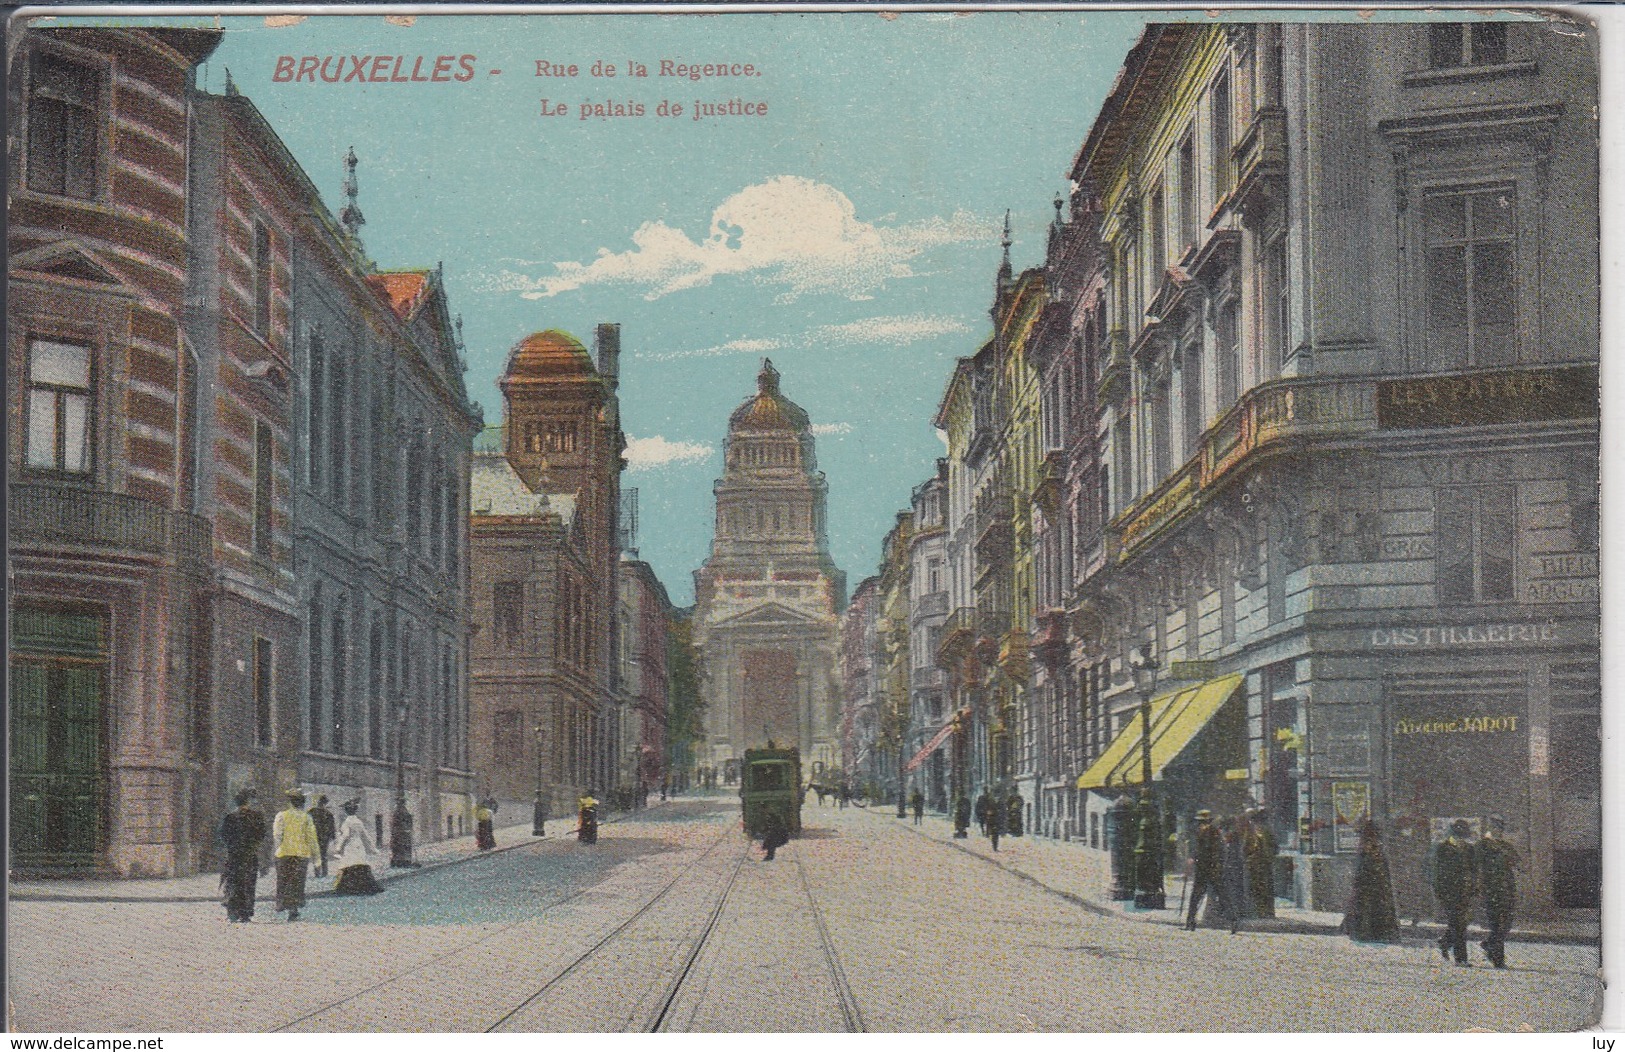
column 353, row 849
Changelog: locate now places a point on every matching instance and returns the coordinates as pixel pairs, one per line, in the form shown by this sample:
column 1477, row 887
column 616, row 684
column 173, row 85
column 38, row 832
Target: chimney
column 607, row 343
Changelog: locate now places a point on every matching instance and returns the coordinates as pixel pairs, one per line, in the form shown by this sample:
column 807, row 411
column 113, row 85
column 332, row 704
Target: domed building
column 543, row 493
column 768, row 598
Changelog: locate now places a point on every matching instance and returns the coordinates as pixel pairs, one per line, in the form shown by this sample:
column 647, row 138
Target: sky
column 850, row 232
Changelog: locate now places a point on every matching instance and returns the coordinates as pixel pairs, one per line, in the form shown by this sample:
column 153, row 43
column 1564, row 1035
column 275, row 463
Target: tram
column 771, row 782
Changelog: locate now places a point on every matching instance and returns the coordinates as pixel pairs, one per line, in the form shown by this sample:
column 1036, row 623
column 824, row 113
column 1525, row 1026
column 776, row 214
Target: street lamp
column 400, row 823
column 1148, row 850
column 538, row 814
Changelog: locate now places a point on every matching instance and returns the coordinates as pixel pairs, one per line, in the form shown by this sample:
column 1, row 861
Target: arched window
column 341, row 704
column 317, row 671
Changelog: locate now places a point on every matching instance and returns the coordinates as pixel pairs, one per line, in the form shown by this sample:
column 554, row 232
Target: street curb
column 1424, row 934
column 388, row 876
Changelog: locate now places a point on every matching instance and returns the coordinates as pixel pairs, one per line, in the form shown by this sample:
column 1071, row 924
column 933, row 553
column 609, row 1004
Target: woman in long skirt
column 353, row 849
column 484, row 822
column 1370, row 916
column 587, row 827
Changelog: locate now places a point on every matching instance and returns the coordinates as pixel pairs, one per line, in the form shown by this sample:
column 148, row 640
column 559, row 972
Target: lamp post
column 538, row 814
column 1148, row 849
column 400, row 823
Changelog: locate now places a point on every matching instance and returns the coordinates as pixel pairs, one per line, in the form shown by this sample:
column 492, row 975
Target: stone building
column 1341, row 346
column 927, row 765
column 642, row 639
column 544, row 548
column 860, row 697
column 111, row 557
column 768, row 598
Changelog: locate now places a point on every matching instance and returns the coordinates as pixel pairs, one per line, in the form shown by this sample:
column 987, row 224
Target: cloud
column 656, row 452
column 832, row 429
column 893, row 330
column 789, row 231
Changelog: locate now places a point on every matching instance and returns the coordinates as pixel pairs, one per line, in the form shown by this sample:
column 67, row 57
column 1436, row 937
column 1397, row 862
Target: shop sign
column 1463, row 635
column 1561, row 577
column 1458, row 725
column 1501, row 396
column 1351, row 805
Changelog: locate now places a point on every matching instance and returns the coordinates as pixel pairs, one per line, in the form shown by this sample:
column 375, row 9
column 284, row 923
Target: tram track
column 843, row 989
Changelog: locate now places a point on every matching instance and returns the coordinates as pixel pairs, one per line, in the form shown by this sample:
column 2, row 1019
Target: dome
column 768, row 410
column 551, row 353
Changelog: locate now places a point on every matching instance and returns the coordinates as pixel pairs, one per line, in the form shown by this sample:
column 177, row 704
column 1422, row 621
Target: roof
column 768, row 410
column 402, row 289
column 494, row 488
column 1176, row 718
column 552, row 353
column 1137, row 80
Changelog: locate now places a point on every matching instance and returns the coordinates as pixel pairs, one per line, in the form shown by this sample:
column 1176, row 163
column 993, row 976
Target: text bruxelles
column 373, row 69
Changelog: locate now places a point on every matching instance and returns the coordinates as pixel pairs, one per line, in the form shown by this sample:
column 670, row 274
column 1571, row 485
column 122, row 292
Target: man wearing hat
column 326, row 830
column 1496, row 860
column 295, row 835
column 243, row 830
column 1453, row 871
column 1207, row 865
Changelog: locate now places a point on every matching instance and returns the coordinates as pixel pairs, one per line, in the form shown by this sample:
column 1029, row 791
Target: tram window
column 768, row 777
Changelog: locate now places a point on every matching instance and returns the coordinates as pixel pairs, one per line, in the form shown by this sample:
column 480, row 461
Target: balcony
column 1050, row 643
column 932, row 604
column 1260, row 156
column 958, row 633
column 1051, row 481
column 995, row 533
column 68, row 516
column 926, row 679
column 1014, row 655
column 1112, row 369
column 991, row 626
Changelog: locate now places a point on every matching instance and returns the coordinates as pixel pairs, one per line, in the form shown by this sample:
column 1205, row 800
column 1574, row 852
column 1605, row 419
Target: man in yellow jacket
column 294, row 833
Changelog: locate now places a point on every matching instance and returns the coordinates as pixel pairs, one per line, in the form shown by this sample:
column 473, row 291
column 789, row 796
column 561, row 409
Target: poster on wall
column 1351, row 803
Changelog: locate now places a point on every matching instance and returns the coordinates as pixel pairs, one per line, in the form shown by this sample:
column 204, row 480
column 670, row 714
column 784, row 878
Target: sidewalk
column 1083, row 876
column 205, row 887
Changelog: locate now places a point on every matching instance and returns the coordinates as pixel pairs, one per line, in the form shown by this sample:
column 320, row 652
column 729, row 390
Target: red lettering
column 417, row 68
column 442, row 67
column 378, row 76
column 467, row 62
column 284, row 69
column 358, row 69
column 395, row 77
column 307, row 68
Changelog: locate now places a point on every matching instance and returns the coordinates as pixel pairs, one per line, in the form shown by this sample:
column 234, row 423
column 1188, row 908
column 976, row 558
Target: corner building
column 1340, row 349
column 768, row 599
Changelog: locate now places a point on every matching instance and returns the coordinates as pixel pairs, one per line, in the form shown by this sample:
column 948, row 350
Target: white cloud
column 657, row 452
column 891, row 329
column 789, row 231
column 832, row 429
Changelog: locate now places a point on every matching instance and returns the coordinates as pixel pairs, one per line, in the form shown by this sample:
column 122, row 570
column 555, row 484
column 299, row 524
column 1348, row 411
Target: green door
column 58, row 740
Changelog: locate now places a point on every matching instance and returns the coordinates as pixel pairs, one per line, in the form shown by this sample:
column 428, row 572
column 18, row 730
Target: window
column 316, row 418
column 1158, row 223
column 264, row 488
column 341, row 694
column 1456, row 44
column 1476, row 540
column 508, row 611
column 1191, row 393
column 1278, row 299
column 338, row 433
column 1187, row 194
column 264, row 674
column 507, row 742
column 1221, row 136
column 561, row 438
column 375, row 690
column 934, row 571
column 1228, row 333
column 60, row 424
column 64, row 127
column 1471, row 291
column 262, row 279
column 1159, row 463
column 317, row 668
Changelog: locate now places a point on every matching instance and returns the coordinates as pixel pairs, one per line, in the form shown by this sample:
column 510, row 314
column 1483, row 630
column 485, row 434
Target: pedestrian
column 961, row 816
column 587, row 824
column 1261, row 848
column 243, row 830
column 1015, row 812
column 485, row 825
column 353, row 850
column 295, row 836
column 995, row 821
column 1370, row 915
column 1233, row 875
column 916, row 800
column 821, row 790
column 1453, row 870
column 665, row 789
column 984, row 810
column 773, row 832
column 1497, row 858
column 1207, row 863
column 843, row 794
column 325, row 831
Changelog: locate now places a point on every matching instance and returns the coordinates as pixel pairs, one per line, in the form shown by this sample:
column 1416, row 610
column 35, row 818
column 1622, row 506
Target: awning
column 1176, row 718
column 931, row 746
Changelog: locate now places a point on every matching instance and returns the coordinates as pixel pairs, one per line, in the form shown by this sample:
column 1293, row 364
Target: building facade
column 645, row 614
column 544, row 545
column 860, row 695
column 1346, row 438
column 768, row 598
column 927, row 765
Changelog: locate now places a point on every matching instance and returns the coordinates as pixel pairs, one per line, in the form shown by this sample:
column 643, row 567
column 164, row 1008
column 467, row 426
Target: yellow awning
column 1176, row 718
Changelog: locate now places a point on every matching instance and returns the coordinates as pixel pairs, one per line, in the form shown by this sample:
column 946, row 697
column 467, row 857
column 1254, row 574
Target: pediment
column 768, row 615
column 70, row 260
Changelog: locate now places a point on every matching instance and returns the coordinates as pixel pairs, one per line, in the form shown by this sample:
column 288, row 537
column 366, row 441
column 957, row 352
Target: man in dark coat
column 1015, row 813
column 1454, row 865
column 995, row 821
column 916, row 800
column 984, row 809
column 774, row 833
column 961, row 816
column 326, row 830
column 1261, row 847
column 243, row 830
column 1497, row 858
column 1207, row 865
